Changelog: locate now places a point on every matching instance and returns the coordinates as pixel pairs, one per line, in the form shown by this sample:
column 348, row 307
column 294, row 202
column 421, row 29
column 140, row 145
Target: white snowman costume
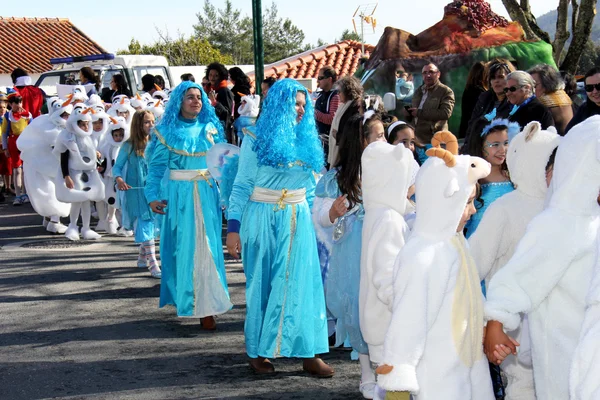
column 550, row 272
column 121, row 104
column 96, row 104
column 504, row 224
column 585, row 370
column 157, row 108
column 433, row 347
column 40, row 165
column 386, row 173
column 109, row 149
column 88, row 185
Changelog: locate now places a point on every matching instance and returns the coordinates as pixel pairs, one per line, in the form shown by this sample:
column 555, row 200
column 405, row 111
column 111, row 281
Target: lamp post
column 259, row 57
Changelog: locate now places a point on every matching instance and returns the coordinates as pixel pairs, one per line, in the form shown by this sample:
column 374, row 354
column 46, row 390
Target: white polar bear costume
column 585, row 370
column 40, row 165
column 550, row 272
column 386, row 173
column 504, row 224
column 433, row 347
column 109, row 149
column 88, row 185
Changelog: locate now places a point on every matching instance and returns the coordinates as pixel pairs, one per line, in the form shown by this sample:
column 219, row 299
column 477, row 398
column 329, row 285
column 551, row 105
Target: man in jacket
column 432, row 105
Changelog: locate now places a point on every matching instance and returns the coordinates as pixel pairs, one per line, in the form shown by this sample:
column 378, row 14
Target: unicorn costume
column 549, row 273
column 386, row 173
column 433, row 345
column 40, row 165
column 271, row 199
column 76, row 145
column 193, row 267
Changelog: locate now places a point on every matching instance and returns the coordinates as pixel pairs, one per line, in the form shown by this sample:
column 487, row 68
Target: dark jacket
column 585, row 111
column 224, row 108
column 469, row 100
column 436, row 111
column 108, row 94
column 485, row 104
column 237, row 99
column 533, row 111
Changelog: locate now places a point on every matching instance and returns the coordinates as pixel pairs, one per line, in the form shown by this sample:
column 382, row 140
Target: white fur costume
column 88, row 185
column 433, row 347
column 121, row 104
column 504, row 223
column 109, row 149
column 585, row 370
column 386, row 172
column 96, row 104
column 251, row 106
column 551, row 269
column 40, row 165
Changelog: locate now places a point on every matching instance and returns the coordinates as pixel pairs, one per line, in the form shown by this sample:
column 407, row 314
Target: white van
column 65, row 71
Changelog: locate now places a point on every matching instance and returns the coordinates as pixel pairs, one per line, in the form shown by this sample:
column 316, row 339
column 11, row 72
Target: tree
column 582, row 20
column 226, row 30
column 282, row 38
column 349, row 35
column 180, row 51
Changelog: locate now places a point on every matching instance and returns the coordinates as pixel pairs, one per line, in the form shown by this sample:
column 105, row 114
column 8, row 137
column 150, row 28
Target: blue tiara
column 513, row 128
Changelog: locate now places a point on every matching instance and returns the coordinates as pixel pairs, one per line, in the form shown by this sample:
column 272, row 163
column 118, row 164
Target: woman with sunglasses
column 526, row 107
column 592, row 105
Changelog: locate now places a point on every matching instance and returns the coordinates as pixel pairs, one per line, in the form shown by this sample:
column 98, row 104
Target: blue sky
column 112, row 23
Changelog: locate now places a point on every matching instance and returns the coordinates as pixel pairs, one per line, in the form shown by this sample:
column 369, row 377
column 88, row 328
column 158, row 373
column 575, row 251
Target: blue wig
column 513, row 128
column 280, row 140
column 170, row 120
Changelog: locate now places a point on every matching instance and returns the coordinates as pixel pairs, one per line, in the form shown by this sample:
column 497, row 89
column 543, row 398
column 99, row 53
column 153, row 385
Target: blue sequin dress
column 343, row 280
column 490, row 192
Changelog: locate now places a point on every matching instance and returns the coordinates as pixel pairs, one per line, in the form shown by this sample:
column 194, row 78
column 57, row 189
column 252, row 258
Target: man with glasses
column 326, row 105
column 432, row 105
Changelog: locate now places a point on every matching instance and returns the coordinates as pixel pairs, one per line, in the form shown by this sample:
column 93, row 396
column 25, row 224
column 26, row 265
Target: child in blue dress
column 492, row 145
column 342, row 209
column 133, row 166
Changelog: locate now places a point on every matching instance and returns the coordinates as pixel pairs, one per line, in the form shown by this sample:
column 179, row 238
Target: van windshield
column 48, row 81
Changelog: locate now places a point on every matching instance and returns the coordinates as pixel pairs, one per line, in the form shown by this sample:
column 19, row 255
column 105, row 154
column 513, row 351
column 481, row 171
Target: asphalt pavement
column 81, row 321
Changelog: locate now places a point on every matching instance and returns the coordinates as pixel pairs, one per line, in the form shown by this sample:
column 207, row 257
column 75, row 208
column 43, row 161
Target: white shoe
column 56, row 227
column 367, row 389
column 102, row 225
column 124, row 232
column 111, row 226
column 45, row 222
column 89, row 234
column 72, row 233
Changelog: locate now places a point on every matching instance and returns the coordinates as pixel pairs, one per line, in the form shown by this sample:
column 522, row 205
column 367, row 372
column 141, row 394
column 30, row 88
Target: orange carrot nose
column 69, row 99
column 137, row 96
column 114, row 121
column 123, row 100
column 157, row 103
column 87, row 110
column 157, row 87
column 241, row 94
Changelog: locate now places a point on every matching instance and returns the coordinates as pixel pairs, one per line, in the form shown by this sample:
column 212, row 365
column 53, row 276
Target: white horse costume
column 109, row 149
column 504, row 224
column 550, row 272
column 40, row 165
column 433, row 347
column 88, row 185
column 385, row 180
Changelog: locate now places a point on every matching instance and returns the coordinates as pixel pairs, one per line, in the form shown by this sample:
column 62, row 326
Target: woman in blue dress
column 269, row 221
column 193, row 268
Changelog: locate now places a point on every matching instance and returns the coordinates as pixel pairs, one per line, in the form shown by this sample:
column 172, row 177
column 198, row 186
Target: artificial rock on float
column 469, row 32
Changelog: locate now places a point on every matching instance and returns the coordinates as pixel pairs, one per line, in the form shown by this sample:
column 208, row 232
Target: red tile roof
column 39, row 40
column 343, row 56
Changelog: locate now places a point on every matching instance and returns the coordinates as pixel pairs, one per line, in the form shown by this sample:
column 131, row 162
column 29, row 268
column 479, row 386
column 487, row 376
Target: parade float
column 469, row 32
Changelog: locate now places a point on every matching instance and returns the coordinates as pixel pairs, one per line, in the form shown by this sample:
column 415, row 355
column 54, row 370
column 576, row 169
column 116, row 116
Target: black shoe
column 2, row 198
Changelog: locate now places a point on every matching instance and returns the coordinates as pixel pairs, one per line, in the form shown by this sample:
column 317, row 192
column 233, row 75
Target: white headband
column 394, row 125
column 368, row 115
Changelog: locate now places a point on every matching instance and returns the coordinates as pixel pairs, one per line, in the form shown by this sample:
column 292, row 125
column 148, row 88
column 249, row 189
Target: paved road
column 84, row 323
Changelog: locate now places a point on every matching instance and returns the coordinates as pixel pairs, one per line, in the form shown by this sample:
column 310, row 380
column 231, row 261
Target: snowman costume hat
column 428, row 352
column 504, row 224
column 79, row 94
column 88, row 185
column 157, row 108
column 249, row 106
column 97, row 105
column 551, row 269
column 122, row 105
column 386, row 171
column 139, row 102
column 40, row 164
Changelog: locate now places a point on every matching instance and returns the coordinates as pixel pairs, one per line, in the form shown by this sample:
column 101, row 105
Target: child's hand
column 69, row 182
column 158, row 207
column 338, row 208
column 497, row 343
column 121, row 185
column 98, row 155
